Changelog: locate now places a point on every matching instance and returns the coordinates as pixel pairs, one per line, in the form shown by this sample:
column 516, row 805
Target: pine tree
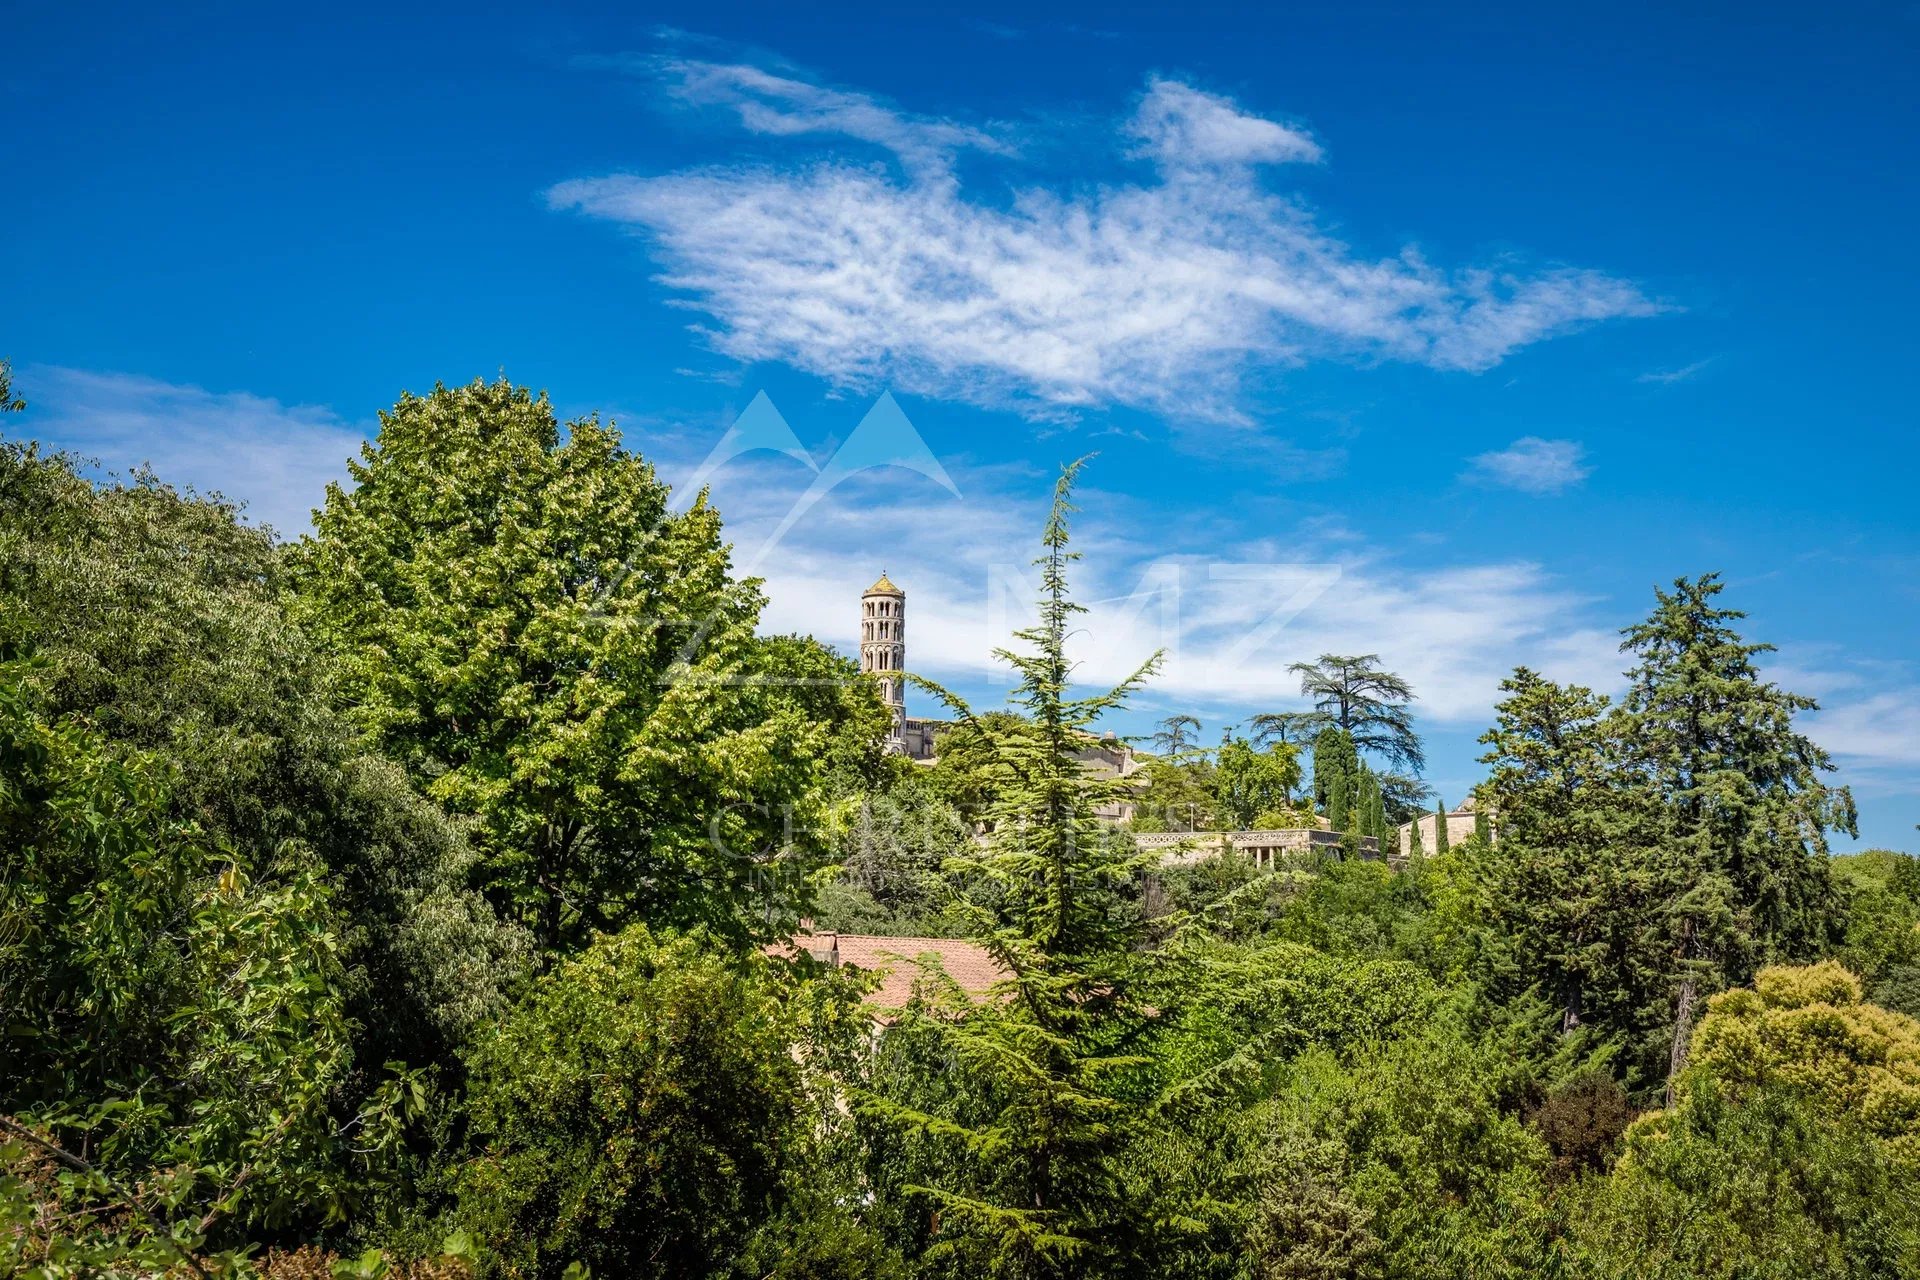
column 1556, row 895
column 1746, row 809
column 1022, row 1165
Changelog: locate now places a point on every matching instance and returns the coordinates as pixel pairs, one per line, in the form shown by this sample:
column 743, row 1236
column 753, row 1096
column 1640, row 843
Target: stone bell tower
column 883, row 650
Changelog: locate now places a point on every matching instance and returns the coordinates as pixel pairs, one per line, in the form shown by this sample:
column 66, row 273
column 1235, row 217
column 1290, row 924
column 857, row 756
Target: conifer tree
column 1482, row 829
column 1416, row 843
column 1746, row 809
column 1334, row 757
column 1440, row 839
column 1557, row 893
column 1023, row 1167
column 1339, row 804
column 1366, row 703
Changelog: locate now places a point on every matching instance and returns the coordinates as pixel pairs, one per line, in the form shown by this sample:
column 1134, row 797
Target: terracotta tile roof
column 897, row 959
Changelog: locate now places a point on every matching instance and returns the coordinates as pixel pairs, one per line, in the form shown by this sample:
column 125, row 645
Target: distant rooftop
column 898, row 960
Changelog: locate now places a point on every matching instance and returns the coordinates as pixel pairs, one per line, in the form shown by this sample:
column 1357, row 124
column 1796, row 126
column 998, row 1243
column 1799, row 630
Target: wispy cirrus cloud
column 1532, row 465
column 782, row 106
column 276, row 458
column 1173, row 291
column 1231, row 611
column 1879, row 730
column 1667, row 377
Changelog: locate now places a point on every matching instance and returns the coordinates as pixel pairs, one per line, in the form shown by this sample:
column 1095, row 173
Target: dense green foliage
column 414, row 901
column 528, row 627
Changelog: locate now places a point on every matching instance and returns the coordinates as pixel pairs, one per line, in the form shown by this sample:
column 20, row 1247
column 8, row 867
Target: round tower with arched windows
column 883, row 648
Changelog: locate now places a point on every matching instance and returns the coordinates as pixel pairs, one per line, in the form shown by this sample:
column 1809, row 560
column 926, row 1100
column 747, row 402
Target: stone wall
column 1265, row 848
column 1459, row 827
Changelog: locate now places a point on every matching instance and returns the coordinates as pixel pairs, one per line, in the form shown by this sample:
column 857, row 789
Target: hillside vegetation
column 410, row 900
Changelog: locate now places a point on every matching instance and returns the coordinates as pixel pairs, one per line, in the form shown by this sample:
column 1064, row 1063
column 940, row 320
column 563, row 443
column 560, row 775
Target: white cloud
column 274, row 457
column 1881, row 729
column 781, row 106
column 1232, row 614
column 1184, row 128
column 1170, row 295
column 1667, row 377
column 1533, row 465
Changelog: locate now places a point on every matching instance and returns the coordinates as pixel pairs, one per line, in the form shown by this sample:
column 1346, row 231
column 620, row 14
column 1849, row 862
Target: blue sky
column 1443, row 332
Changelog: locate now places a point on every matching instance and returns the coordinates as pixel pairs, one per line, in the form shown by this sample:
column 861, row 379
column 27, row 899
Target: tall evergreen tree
column 1746, row 807
column 1368, row 703
column 1557, row 894
column 1339, row 803
column 1177, row 736
column 1334, row 758
column 1023, row 1170
column 1404, row 796
column 1441, row 842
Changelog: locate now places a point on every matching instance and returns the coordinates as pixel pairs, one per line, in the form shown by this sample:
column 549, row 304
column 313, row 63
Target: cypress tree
column 1334, row 756
column 1482, row 829
column 1440, row 841
column 1416, row 844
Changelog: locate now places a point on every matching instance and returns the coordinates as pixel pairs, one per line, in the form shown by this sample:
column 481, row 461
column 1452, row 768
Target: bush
column 636, row 1113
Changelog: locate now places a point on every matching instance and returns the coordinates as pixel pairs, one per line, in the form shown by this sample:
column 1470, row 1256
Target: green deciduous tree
column 1792, row 1147
column 9, row 402
column 1250, row 783
column 171, row 1018
column 160, row 617
column 546, row 645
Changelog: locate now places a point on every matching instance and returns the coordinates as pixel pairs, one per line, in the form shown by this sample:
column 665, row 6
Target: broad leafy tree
column 9, row 402
column 1250, row 785
column 546, row 645
column 644, row 1112
column 174, row 1035
column 160, row 618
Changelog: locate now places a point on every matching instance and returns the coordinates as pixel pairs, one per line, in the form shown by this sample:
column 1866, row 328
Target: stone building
column 1459, row 826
